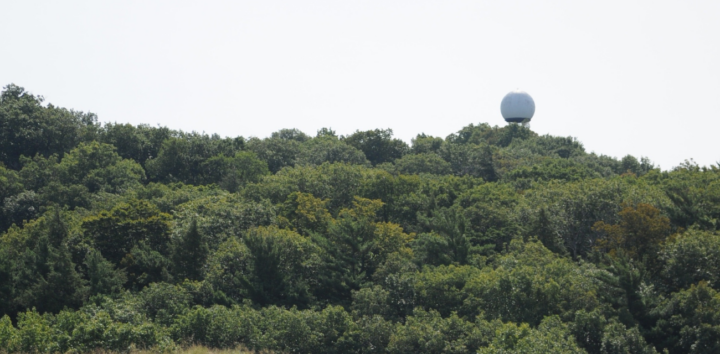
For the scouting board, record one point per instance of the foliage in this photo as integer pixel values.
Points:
(423, 163)
(639, 233)
(331, 150)
(491, 240)
(689, 321)
(377, 145)
(690, 258)
(27, 128)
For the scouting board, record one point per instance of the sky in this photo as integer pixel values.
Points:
(623, 77)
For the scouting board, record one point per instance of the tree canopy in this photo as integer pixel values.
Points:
(490, 240)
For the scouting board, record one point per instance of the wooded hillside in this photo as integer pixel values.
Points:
(490, 240)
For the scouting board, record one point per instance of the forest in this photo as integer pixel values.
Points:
(490, 240)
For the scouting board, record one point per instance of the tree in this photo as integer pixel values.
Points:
(233, 173)
(549, 169)
(102, 275)
(378, 145)
(27, 128)
(190, 253)
(450, 225)
(542, 228)
(427, 332)
(230, 270)
(276, 152)
(695, 196)
(115, 232)
(530, 283)
(135, 235)
(690, 258)
(423, 163)
(10, 183)
(331, 150)
(355, 246)
(471, 159)
(45, 276)
(138, 143)
(551, 336)
(305, 214)
(89, 168)
(12, 208)
(181, 158)
(688, 321)
(285, 265)
(423, 144)
(639, 233)
(290, 134)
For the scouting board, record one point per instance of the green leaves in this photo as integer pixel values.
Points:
(233, 173)
(689, 321)
(692, 257)
(27, 128)
(115, 232)
(377, 145)
(189, 254)
(491, 240)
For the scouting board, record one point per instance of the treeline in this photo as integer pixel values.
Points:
(490, 240)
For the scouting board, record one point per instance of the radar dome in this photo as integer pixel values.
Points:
(517, 107)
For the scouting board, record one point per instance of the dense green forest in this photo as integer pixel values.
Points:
(490, 240)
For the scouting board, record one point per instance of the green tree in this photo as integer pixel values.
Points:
(102, 276)
(138, 143)
(423, 163)
(549, 169)
(45, 276)
(529, 283)
(181, 158)
(233, 173)
(115, 232)
(691, 257)
(305, 214)
(135, 235)
(454, 245)
(277, 152)
(695, 196)
(688, 321)
(189, 254)
(89, 168)
(377, 145)
(490, 215)
(10, 183)
(355, 246)
(285, 265)
(230, 270)
(427, 332)
(423, 144)
(471, 159)
(27, 128)
(331, 150)
(13, 210)
(551, 336)
(290, 134)
(442, 288)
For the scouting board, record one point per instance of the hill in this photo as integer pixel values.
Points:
(492, 239)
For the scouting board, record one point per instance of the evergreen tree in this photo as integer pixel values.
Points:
(190, 253)
(46, 277)
(102, 275)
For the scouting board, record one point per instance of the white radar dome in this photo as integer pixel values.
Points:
(517, 107)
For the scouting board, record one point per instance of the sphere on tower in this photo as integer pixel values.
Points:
(517, 107)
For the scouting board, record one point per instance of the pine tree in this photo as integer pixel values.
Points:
(103, 277)
(190, 253)
(46, 276)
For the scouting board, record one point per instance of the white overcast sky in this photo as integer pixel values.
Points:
(624, 77)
